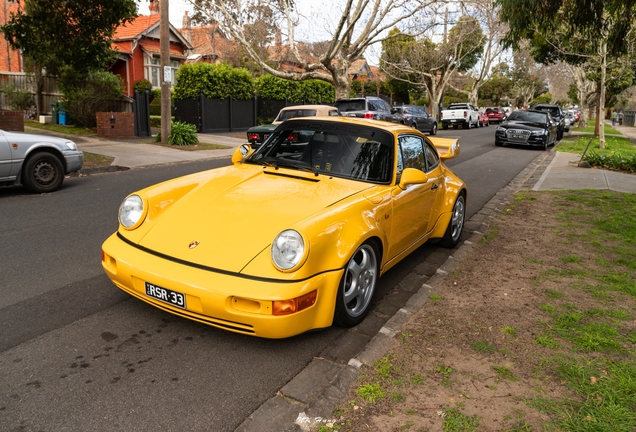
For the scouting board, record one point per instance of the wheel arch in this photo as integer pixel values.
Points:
(36, 150)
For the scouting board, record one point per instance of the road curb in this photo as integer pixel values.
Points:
(310, 398)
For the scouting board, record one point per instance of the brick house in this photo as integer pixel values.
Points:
(10, 59)
(209, 43)
(137, 47)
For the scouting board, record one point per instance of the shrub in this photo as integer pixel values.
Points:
(98, 91)
(142, 85)
(17, 99)
(181, 134)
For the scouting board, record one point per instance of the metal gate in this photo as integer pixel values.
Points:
(141, 108)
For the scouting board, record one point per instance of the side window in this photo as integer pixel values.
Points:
(412, 152)
(386, 106)
(372, 105)
(432, 158)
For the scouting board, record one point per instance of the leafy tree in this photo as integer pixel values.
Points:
(589, 29)
(75, 33)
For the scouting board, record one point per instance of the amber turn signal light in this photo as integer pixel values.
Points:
(286, 307)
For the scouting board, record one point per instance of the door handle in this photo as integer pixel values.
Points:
(435, 186)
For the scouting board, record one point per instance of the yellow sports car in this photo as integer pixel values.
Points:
(293, 236)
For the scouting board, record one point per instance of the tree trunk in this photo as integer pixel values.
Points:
(601, 101)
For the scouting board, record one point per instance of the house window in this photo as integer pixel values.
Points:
(152, 69)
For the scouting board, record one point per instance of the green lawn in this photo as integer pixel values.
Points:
(613, 145)
(590, 128)
(71, 130)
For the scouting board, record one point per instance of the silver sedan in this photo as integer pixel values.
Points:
(39, 162)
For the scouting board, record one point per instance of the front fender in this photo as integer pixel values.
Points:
(332, 238)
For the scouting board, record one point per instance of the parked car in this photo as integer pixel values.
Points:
(527, 127)
(368, 107)
(38, 162)
(257, 134)
(496, 114)
(417, 118)
(459, 114)
(556, 114)
(483, 119)
(335, 211)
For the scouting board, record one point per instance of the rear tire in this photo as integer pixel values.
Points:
(357, 286)
(456, 223)
(42, 173)
(434, 129)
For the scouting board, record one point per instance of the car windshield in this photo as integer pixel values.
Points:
(528, 116)
(350, 105)
(457, 106)
(553, 111)
(291, 113)
(340, 150)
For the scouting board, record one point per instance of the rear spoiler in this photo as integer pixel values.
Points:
(448, 148)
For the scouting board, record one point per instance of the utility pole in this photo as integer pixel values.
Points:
(166, 72)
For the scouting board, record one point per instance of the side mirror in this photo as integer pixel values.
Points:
(412, 176)
(241, 153)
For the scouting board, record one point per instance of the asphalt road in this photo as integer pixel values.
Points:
(76, 352)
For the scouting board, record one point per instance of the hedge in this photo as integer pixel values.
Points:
(215, 81)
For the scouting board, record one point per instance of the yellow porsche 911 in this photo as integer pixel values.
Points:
(293, 236)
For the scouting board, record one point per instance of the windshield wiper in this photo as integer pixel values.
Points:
(296, 166)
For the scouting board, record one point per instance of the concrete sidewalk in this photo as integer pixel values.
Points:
(564, 172)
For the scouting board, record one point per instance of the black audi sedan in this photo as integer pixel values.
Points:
(530, 128)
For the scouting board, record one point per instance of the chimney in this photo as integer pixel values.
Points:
(186, 23)
(154, 7)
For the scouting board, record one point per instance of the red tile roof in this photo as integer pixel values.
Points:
(153, 46)
(136, 27)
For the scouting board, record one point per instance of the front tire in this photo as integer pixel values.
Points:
(357, 286)
(456, 224)
(42, 172)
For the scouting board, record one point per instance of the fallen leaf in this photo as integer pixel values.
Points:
(593, 380)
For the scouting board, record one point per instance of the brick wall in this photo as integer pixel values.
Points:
(12, 121)
(116, 125)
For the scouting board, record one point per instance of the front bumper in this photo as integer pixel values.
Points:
(74, 160)
(225, 301)
(530, 140)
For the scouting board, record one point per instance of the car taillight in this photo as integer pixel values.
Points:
(441, 115)
(368, 115)
(252, 136)
(292, 137)
(465, 114)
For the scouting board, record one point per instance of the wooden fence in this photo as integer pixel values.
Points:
(24, 82)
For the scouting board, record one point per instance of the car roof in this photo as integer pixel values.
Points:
(316, 107)
(395, 128)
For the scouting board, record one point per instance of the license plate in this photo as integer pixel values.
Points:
(518, 136)
(452, 121)
(265, 137)
(165, 295)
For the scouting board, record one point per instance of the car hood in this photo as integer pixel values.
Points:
(20, 137)
(234, 221)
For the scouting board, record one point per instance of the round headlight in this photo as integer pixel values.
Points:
(131, 211)
(288, 249)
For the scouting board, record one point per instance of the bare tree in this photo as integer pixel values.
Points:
(358, 25)
(487, 13)
(429, 65)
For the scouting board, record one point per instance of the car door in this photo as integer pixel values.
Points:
(6, 160)
(412, 206)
